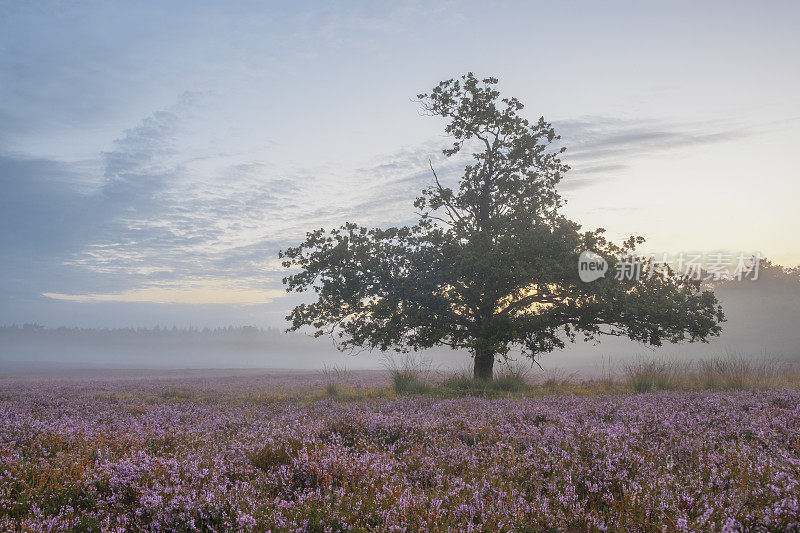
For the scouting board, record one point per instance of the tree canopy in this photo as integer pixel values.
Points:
(491, 265)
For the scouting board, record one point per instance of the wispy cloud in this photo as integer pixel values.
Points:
(599, 147)
(186, 292)
(152, 226)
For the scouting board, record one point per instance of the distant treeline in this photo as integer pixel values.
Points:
(229, 347)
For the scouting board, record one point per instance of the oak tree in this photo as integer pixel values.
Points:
(491, 265)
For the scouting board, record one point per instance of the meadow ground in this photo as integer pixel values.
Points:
(358, 451)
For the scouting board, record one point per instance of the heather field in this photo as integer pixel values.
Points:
(260, 453)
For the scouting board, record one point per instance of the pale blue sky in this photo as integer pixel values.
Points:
(154, 156)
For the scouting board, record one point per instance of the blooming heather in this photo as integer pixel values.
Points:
(224, 455)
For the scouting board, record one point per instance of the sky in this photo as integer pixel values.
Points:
(156, 156)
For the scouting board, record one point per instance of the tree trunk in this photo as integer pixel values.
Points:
(484, 361)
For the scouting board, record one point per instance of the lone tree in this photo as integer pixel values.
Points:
(490, 266)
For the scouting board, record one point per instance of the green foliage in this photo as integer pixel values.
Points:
(274, 454)
(491, 265)
(408, 383)
(510, 382)
(332, 390)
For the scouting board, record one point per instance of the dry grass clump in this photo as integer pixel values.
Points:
(739, 373)
(645, 375)
(728, 372)
(412, 375)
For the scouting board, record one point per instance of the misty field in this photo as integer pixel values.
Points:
(253, 453)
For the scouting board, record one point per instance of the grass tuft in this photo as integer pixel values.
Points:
(646, 375)
(728, 372)
(334, 377)
(409, 374)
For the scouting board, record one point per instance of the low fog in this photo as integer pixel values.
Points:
(762, 321)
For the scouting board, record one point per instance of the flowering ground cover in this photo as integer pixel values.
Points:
(228, 454)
